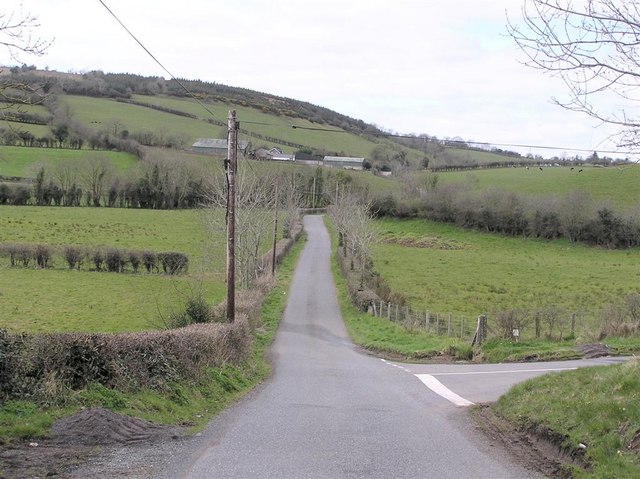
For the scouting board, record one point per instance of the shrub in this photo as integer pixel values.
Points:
(74, 256)
(135, 260)
(174, 263)
(115, 261)
(150, 261)
(43, 255)
(97, 258)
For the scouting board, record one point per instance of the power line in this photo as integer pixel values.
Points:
(173, 77)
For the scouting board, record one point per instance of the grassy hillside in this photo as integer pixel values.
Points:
(452, 270)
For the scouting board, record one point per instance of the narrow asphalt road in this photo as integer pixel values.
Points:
(332, 412)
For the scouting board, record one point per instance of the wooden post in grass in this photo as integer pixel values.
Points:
(426, 320)
(449, 326)
(462, 328)
(573, 324)
(389, 311)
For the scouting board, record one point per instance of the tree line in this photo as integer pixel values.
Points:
(575, 216)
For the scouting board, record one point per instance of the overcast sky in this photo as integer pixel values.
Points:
(441, 67)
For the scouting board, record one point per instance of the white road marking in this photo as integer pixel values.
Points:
(440, 389)
(504, 372)
(395, 365)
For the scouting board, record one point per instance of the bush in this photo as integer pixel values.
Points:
(43, 255)
(74, 256)
(115, 260)
(134, 260)
(97, 258)
(150, 261)
(174, 263)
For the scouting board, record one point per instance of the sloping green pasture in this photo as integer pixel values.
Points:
(58, 299)
(620, 185)
(446, 269)
(25, 161)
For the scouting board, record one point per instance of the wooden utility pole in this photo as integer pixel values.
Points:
(232, 166)
(275, 235)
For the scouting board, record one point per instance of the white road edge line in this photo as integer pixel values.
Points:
(440, 389)
(513, 371)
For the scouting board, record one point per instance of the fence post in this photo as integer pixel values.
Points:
(462, 328)
(396, 313)
(426, 320)
(573, 324)
(481, 331)
(389, 311)
(437, 323)
(449, 326)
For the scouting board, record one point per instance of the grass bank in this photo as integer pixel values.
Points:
(590, 411)
(184, 404)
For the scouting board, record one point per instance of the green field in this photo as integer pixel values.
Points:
(470, 273)
(26, 161)
(620, 185)
(61, 300)
(37, 130)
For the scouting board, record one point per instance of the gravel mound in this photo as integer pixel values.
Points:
(99, 426)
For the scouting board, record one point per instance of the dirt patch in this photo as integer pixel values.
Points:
(635, 443)
(539, 449)
(593, 350)
(430, 242)
(76, 438)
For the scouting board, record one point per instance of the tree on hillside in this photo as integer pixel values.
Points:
(594, 47)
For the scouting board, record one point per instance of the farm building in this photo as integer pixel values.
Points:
(274, 154)
(215, 146)
(344, 162)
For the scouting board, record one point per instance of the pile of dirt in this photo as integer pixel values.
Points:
(76, 438)
(593, 350)
(101, 427)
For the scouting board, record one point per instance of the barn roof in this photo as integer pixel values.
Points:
(218, 144)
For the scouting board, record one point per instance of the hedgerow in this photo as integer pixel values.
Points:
(100, 259)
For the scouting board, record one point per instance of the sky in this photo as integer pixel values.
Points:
(442, 67)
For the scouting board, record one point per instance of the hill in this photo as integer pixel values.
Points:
(101, 110)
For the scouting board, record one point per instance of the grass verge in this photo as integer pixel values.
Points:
(190, 405)
(597, 407)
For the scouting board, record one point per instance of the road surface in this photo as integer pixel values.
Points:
(330, 411)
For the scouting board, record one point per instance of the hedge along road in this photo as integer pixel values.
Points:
(330, 411)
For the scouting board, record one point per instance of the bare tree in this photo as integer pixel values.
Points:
(352, 218)
(592, 46)
(16, 36)
(95, 173)
(255, 207)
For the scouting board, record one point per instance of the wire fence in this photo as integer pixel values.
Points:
(442, 324)
(550, 323)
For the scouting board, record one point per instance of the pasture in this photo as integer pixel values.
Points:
(59, 299)
(619, 185)
(26, 161)
(446, 269)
